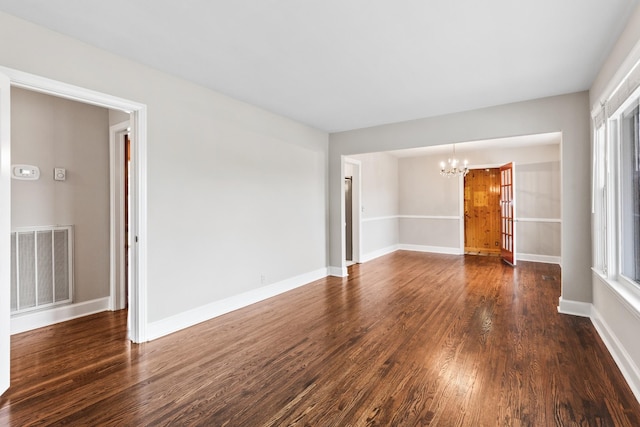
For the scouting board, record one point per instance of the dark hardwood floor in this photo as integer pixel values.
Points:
(408, 339)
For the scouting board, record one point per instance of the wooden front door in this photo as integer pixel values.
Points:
(507, 214)
(482, 211)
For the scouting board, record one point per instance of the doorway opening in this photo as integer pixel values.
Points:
(488, 203)
(120, 161)
(352, 213)
(348, 219)
(137, 210)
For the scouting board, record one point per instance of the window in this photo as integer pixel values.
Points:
(616, 185)
(630, 194)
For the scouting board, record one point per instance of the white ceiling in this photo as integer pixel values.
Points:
(347, 64)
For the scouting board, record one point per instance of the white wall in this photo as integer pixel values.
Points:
(379, 198)
(568, 114)
(235, 194)
(615, 310)
(49, 132)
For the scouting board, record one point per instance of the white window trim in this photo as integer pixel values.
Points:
(626, 290)
(630, 102)
(599, 207)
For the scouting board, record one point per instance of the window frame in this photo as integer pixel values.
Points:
(600, 197)
(611, 211)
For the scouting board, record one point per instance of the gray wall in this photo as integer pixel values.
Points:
(234, 192)
(50, 132)
(538, 200)
(568, 114)
(423, 192)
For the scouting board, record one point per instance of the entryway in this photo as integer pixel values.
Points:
(482, 212)
(489, 212)
(138, 298)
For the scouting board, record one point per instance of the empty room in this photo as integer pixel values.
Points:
(337, 213)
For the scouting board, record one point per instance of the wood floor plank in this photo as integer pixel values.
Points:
(407, 339)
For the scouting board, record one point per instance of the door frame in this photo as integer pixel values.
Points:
(356, 212)
(461, 198)
(5, 230)
(348, 217)
(117, 264)
(138, 184)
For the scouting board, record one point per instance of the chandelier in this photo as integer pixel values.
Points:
(453, 168)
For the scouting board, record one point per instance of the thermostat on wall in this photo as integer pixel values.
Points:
(25, 172)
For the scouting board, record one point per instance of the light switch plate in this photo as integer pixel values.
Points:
(59, 174)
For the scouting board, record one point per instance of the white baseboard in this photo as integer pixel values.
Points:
(450, 251)
(575, 308)
(625, 363)
(206, 312)
(38, 319)
(547, 259)
(431, 249)
(378, 253)
(337, 271)
(416, 248)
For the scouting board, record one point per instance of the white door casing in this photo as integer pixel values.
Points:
(117, 226)
(5, 232)
(356, 188)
